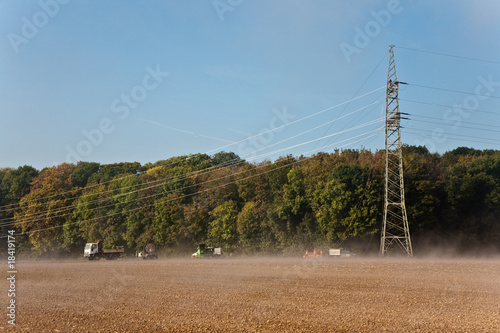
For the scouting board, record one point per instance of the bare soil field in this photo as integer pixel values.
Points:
(257, 295)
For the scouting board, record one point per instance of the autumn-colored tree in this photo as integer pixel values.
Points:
(46, 208)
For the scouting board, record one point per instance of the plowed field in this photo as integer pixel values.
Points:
(257, 295)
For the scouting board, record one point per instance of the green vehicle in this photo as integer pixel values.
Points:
(207, 252)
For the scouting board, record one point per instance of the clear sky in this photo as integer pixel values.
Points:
(115, 81)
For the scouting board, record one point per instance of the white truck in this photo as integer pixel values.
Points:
(95, 251)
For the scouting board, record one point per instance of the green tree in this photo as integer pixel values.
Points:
(225, 159)
(293, 205)
(249, 225)
(108, 172)
(195, 225)
(347, 205)
(473, 190)
(277, 173)
(424, 188)
(222, 230)
(86, 224)
(83, 171)
(168, 220)
(16, 183)
(130, 196)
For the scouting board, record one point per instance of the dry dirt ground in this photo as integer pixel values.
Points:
(257, 295)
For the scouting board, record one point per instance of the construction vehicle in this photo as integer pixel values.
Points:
(148, 252)
(337, 253)
(95, 251)
(207, 252)
(313, 254)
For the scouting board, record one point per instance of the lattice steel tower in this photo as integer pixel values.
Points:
(395, 226)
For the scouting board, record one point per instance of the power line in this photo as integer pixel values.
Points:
(461, 122)
(448, 55)
(418, 130)
(173, 199)
(315, 128)
(11, 220)
(448, 106)
(366, 124)
(217, 149)
(451, 90)
(377, 130)
(186, 176)
(301, 119)
(359, 89)
(372, 122)
(469, 127)
(360, 115)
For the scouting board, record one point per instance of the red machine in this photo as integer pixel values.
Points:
(313, 254)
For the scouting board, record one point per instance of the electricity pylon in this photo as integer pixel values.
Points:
(395, 226)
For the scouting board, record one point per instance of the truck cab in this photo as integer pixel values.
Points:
(91, 251)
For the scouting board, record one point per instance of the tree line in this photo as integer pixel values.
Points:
(285, 206)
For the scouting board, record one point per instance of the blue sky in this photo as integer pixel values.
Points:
(138, 81)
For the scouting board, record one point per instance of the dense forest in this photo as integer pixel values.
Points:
(285, 206)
